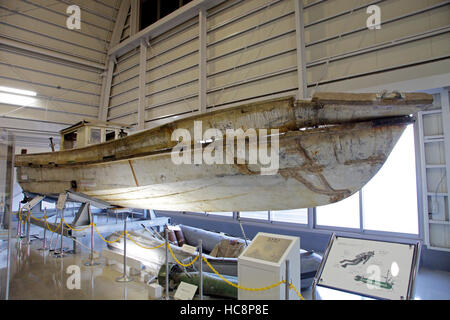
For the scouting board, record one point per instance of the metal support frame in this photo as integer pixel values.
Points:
(301, 62)
(103, 110)
(202, 77)
(120, 23)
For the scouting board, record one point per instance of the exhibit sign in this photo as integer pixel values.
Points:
(376, 269)
(269, 259)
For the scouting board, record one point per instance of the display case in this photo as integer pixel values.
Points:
(263, 263)
(6, 196)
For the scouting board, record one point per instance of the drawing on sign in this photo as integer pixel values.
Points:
(388, 282)
(362, 257)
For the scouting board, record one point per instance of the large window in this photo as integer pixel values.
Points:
(390, 198)
(153, 10)
(343, 214)
(260, 215)
(223, 214)
(293, 216)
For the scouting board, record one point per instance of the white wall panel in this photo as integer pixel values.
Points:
(339, 46)
(252, 52)
(68, 90)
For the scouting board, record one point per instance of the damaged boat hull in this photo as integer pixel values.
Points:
(346, 146)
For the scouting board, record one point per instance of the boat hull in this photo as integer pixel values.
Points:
(326, 149)
(316, 167)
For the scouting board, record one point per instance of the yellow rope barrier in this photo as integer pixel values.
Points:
(175, 258)
(107, 240)
(149, 248)
(71, 228)
(20, 216)
(33, 217)
(291, 286)
(240, 287)
(48, 227)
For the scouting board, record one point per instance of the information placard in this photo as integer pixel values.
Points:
(378, 269)
(185, 291)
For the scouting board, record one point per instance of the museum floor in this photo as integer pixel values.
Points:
(36, 275)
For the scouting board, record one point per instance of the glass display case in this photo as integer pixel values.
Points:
(6, 190)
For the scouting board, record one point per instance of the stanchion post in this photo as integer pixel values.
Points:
(288, 275)
(62, 232)
(19, 216)
(124, 277)
(28, 226)
(91, 261)
(45, 230)
(61, 250)
(201, 268)
(167, 263)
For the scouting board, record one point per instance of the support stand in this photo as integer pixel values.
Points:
(61, 253)
(124, 277)
(91, 261)
(44, 245)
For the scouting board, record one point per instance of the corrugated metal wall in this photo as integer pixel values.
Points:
(67, 91)
(252, 53)
(339, 46)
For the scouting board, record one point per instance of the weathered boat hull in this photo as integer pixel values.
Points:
(317, 166)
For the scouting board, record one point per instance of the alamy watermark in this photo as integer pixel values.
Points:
(374, 20)
(74, 20)
(234, 146)
(74, 280)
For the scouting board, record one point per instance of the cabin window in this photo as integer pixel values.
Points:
(70, 140)
(110, 134)
(96, 136)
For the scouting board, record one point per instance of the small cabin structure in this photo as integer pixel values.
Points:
(89, 132)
